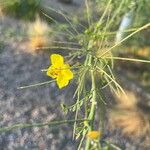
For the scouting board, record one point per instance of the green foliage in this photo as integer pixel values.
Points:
(23, 9)
(142, 14)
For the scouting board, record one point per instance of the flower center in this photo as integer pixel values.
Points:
(56, 72)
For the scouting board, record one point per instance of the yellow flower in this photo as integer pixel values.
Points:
(59, 70)
(93, 135)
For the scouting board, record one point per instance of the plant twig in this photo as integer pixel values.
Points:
(92, 111)
(51, 123)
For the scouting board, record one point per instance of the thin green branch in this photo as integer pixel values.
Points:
(80, 86)
(37, 84)
(60, 47)
(129, 59)
(115, 82)
(114, 32)
(93, 107)
(51, 123)
(88, 12)
(104, 13)
(130, 35)
(63, 15)
(116, 13)
(65, 42)
(56, 22)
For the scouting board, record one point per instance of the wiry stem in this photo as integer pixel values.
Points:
(34, 85)
(51, 123)
(93, 106)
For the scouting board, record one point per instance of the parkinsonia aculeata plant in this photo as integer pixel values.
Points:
(94, 72)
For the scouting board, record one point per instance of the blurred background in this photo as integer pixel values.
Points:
(28, 25)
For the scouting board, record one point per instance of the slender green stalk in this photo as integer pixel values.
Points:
(129, 59)
(37, 84)
(93, 100)
(104, 13)
(116, 13)
(130, 35)
(80, 89)
(114, 32)
(88, 12)
(101, 107)
(65, 42)
(51, 123)
(81, 141)
(56, 22)
(65, 17)
(60, 47)
(93, 107)
(115, 82)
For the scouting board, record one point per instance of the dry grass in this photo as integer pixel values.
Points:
(38, 35)
(128, 116)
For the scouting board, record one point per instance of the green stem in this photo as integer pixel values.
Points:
(34, 85)
(127, 37)
(101, 111)
(93, 106)
(60, 47)
(53, 123)
(129, 59)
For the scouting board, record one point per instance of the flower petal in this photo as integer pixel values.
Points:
(51, 72)
(61, 81)
(93, 134)
(57, 60)
(67, 73)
